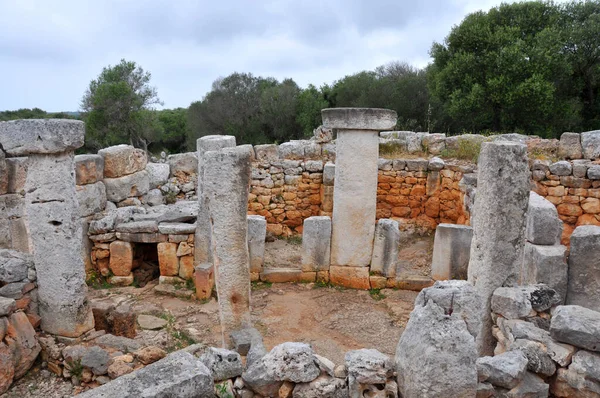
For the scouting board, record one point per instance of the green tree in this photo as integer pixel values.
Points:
(172, 130)
(118, 107)
(311, 101)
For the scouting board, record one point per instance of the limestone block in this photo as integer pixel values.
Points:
(384, 164)
(91, 198)
(14, 265)
(21, 340)
(359, 118)
(266, 152)
(89, 169)
(543, 227)
(511, 303)
(281, 275)
(561, 168)
(41, 136)
(313, 166)
(202, 240)
(291, 150)
(569, 146)
(167, 259)
(140, 237)
(154, 197)
(17, 174)
(584, 267)
(593, 172)
(3, 174)
(7, 306)
(546, 264)
(316, 243)
(329, 174)
(504, 370)
(181, 211)
(368, 366)
(385, 248)
(134, 227)
(499, 225)
(122, 160)
(576, 325)
(469, 140)
(121, 258)
(257, 233)
(55, 230)
(179, 374)
(204, 280)
(227, 180)
(176, 228)
(451, 251)
(433, 364)
(322, 134)
(435, 164)
(223, 363)
(590, 143)
(158, 174)
(186, 267)
(352, 277)
(121, 188)
(183, 162)
(417, 164)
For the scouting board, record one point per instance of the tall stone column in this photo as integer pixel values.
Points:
(226, 186)
(355, 193)
(498, 226)
(53, 219)
(202, 243)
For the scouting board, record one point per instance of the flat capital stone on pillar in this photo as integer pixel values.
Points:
(202, 245)
(355, 193)
(226, 186)
(503, 184)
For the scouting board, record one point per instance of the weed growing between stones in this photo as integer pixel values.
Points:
(97, 281)
(376, 294)
(177, 339)
(258, 285)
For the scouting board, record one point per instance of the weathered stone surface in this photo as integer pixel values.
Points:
(569, 146)
(167, 259)
(543, 227)
(590, 143)
(504, 370)
(257, 233)
(134, 227)
(181, 211)
(121, 188)
(121, 258)
(41, 136)
(222, 363)
(547, 265)
(436, 355)
(7, 368)
(316, 243)
(139, 237)
(576, 325)
(158, 174)
(17, 174)
(154, 197)
(569, 383)
(584, 267)
(122, 160)
(150, 322)
(91, 198)
(21, 340)
(121, 280)
(417, 164)
(265, 152)
(226, 185)
(352, 277)
(186, 266)
(55, 230)
(329, 174)
(385, 247)
(89, 169)
(7, 306)
(14, 265)
(434, 143)
(561, 168)
(511, 303)
(183, 162)
(204, 280)
(243, 339)
(498, 236)
(451, 251)
(150, 354)
(176, 228)
(531, 386)
(202, 241)
(119, 343)
(178, 375)
(323, 386)
(3, 174)
(368, 366)
(538, 360)
(593, 172)
(293, 362)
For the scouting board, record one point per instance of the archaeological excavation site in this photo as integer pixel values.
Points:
(362, 262)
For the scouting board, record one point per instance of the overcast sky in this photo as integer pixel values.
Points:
(50, 50)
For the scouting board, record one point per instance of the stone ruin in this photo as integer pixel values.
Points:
(511, 309)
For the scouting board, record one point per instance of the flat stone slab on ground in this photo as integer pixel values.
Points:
(150, 322)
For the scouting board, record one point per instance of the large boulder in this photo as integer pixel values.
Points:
(576, 325)
(158, 174)
(570, 146)
(590, 142)
(183, 162)
(131, 185)
(122, 160)
(504, 370)
(543, 227)
(37, 136)
(88, 169)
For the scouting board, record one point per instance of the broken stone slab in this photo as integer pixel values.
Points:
(158, 174)
(223, 363)
(511, 303)
(547, 265)
(41, 136)
(3, 174)
(538, 360)
(385, 247)
(569, 146)
(121, 188)
(436, 355)
(576, 325)
(590, 143)
(543, 227)
(14, 265)
(316, 243)
(21, 340)
(531, 386)
(369, 366)
(584, 267)
(91, 198)
(503, 182)
(183, 162)
(293, 362)
(89, 169)
(180, 374)
(122, 160)
(181, 211)
(120, 343)
(505, 370)
(13, 290)
(150, 322)
(451, 251)
(257, 233)
(174, 228)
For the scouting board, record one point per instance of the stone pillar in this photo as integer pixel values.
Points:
(202, 245)
(584, 268)
(355, 194)
(385, 248)
(498, 226)
(451, 251)
(257, 233)
(53, 217)
(226, 185)
(316, 243)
